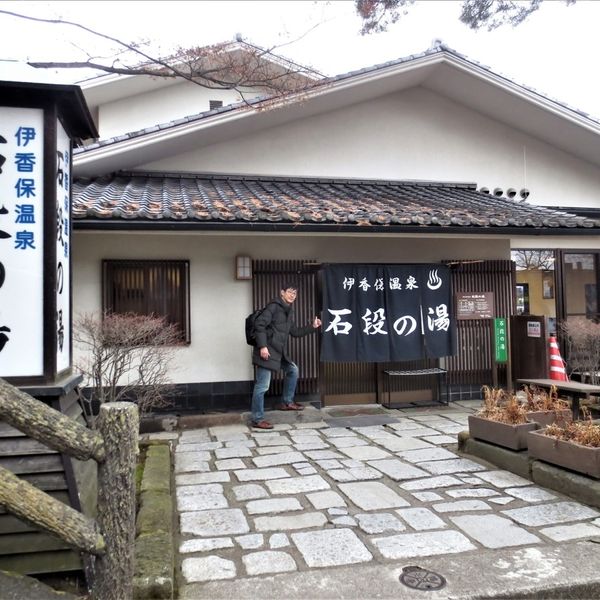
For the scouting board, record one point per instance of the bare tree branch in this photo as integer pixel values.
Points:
(133, 47)
(238, 66)
(378, 15)
(534, 260)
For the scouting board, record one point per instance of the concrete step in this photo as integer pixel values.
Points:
(156, 423)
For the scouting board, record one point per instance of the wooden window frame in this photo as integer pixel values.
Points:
(159, 270)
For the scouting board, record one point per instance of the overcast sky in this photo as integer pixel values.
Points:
(554, 52)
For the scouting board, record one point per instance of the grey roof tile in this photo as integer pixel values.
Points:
(248, 200)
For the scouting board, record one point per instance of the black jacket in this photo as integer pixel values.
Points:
(273, 328)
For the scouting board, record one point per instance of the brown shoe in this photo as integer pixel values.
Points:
(292, 406)
(262, 425)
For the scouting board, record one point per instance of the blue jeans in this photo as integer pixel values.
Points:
(262, 383)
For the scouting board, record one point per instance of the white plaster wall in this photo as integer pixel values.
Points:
(160, 106)
(219, 304)
(586, 242)
(415, 134)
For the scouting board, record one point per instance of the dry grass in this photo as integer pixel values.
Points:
(586, 432)
(500, 406)
(504, 407)
(539, 399)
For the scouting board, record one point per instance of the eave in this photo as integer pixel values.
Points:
(424, 230)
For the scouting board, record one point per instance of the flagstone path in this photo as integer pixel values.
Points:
(309, 496)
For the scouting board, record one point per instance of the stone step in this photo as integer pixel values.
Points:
(15, 586)
(170, 423)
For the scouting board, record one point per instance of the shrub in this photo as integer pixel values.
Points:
(126, 357)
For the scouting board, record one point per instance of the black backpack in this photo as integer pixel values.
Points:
(250, 331)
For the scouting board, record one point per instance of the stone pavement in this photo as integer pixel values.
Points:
(302, 502)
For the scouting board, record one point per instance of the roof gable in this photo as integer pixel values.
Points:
(440, 69)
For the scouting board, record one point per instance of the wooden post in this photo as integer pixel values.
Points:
(493, 354)
(118, 424)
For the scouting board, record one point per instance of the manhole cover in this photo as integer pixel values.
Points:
(421, 579)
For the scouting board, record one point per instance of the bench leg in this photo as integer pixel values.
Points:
(447, 386)
(389, 391)
(575, 407)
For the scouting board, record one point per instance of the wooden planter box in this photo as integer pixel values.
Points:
(501, 434)
(570, 455)
(547, 417)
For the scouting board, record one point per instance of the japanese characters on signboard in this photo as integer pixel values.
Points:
(21, 242)
(500, 340)
(475, 305)
(63, 249)
(387, 313)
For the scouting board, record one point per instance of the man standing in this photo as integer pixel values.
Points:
(273, 328)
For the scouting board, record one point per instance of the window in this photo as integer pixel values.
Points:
(148, 287)
(522, 298)
(535, 282)
(212, 104)
(580, 272)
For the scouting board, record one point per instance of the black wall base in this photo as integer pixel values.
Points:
(217, 396)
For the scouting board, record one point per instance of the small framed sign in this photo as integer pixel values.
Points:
(548, 285)
(534, 329)
(475, 305)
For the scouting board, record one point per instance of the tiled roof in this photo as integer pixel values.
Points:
(247, 202)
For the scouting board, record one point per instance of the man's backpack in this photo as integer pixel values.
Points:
(250, 330)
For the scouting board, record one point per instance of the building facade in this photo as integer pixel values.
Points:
(431, 159)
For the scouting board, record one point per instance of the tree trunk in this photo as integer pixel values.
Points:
(31, 504)
(118, 424)
(47, 425)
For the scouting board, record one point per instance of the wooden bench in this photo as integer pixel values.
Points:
(440, 373)
(572, 389)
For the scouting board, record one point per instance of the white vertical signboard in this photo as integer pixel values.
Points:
(21, 242)
(63, 249)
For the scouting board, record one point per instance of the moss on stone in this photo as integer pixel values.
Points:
(157, 470)
(580, 487)
(155, 513)
(139, 473)
(517, 462)
(463, 437)
(154, 562)
(154, 550)
(145, 443)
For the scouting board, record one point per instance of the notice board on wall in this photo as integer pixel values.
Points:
(475, 305)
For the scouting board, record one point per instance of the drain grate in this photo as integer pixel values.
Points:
(421, 579)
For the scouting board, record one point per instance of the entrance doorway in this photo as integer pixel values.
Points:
(352, 383)
(562, 286)
(535, 288)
